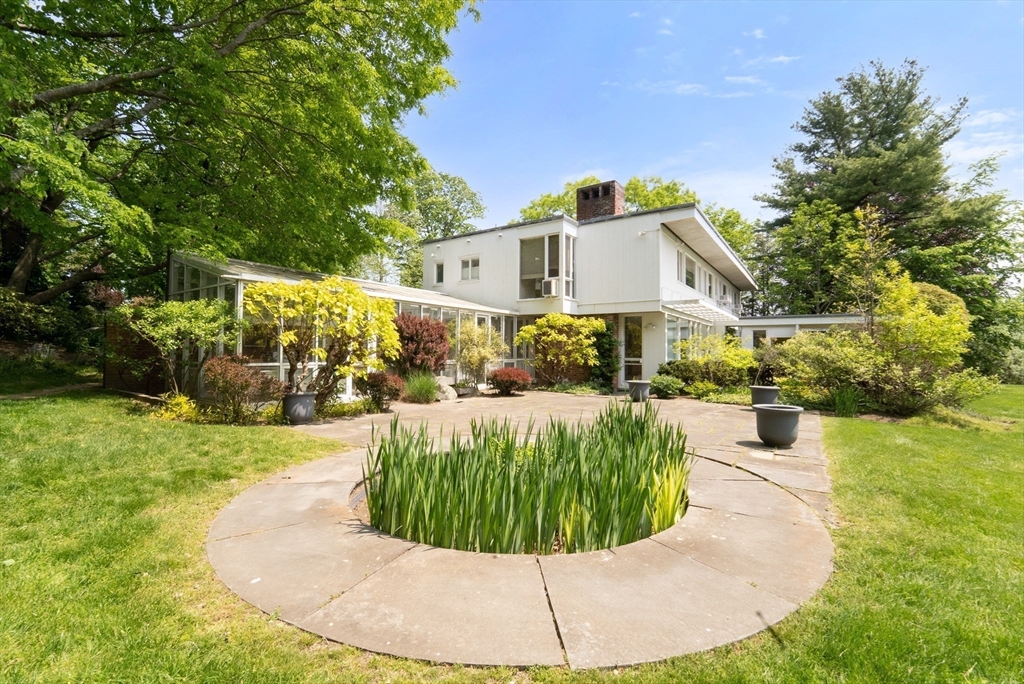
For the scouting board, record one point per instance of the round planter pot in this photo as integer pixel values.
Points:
(777, 424)
(764, 394)
(639, 390)
(298, 407)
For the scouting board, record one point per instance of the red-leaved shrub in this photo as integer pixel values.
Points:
(238, 389)
(509, 380)
(380, 388)
(424, 344)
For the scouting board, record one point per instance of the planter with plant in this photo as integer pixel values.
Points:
(762, 387)
(331, 321)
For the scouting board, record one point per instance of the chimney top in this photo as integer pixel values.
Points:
(602, 199)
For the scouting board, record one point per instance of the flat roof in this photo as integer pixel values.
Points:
(790, 317)
(251, 270)
(519, 224)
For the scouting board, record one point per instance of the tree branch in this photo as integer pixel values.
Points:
(98, 86)
(94, 272)
(239, 39)
(64, 250)
(113, 122)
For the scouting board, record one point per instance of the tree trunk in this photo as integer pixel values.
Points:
(25, 264)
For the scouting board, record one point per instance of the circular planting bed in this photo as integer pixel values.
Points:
(570, 488)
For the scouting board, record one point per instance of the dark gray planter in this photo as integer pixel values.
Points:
(764, 394)
(466, 391)
(639, 390)
(777, 424)
(298, 407)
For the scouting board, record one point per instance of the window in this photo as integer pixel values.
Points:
(471, 269)
(759, 338)
(570, 266)
(541, 258)
(708, 284)
(439, 273)
(690, 273)
(633, 349)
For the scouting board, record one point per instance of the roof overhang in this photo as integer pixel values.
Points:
(689, 224)
(701, 308)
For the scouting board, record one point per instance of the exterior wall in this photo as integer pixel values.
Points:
(618, 266)
(784, 327)
(674, 289)
(498, 251)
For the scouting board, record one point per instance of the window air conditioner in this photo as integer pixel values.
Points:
(549, 287)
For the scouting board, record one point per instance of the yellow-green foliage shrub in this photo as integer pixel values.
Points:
(562, 344)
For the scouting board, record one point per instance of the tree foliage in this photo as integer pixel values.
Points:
(562, 343)
(332, 321)
(649, 192)
(185, 334)
(262, 129)
(478, 347)
(876, 145)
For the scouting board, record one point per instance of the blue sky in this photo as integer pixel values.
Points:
(702, 92)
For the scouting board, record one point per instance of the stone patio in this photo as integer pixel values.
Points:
(752, 547)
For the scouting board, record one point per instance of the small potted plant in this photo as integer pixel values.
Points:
(764, 390)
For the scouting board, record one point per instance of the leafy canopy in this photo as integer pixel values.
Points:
(649, 192)
(177, 329)
(478, 346)
(262, 129)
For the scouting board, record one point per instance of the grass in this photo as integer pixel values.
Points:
(104, 513)
(27, 373)
(574, 488)
(420, 388)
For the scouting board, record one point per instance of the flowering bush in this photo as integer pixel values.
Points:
(238, 389)
(424, 344)
(509, 380)
(380, 388)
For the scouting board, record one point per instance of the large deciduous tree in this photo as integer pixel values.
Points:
(263, 129)
(878, 140)
(649, 192)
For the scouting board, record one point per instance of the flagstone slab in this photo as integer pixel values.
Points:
(346, 467)
(267, 506)
(789, 559)
(293, 571)
(751, 497)
(706, 469)
(448, 606)
(645, 602)
(803, 475)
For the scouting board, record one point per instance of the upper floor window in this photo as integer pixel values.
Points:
(439, 273)
(687, 270)
(471, 268)
(542, 258)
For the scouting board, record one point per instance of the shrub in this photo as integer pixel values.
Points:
(424, 344)
(380, 388)
(582, 389)
(346, 409)
(577, 487)
(718, 359)
(421, 388)
(606, 344)
(238, 389)
(179, 407)
(701, 389)
(562, 344)
(665, 386)
(478, 347)
(956, 390)
(509, 380)
(847, 401)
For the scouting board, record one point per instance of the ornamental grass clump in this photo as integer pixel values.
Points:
(574, 488)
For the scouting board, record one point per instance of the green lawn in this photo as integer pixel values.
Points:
(24, 374)
(103, 577)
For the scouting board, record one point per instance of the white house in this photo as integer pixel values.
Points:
(755, 331)
(657, 276)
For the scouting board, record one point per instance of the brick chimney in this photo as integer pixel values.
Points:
(603, 199)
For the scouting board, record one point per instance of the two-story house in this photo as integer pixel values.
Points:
(656, 276)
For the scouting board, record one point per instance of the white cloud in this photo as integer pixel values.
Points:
(751, 80)
(729, 96)
(666, 21)
(669, 87)
(600, 172)
(762, 60)
(756, 33)
(989, 117)
(782, 59)
(665, 32)
(635, 15)
(610, 83)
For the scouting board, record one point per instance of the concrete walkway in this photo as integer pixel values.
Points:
(752, 547)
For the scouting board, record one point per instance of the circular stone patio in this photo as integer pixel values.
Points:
(752, 547)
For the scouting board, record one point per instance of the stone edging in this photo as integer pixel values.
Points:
(747, 554)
